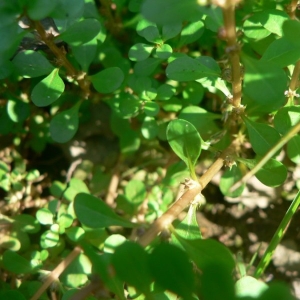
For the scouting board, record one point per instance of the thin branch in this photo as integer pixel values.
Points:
(292, 9)
(294, 84)
(294, 130)
(62, 59)
(232, 50)
(57, 272)
(172, 213)
(112, 188)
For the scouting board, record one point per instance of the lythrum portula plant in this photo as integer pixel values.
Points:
(114, 118)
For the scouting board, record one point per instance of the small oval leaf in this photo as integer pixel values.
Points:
(48, 90)
(185, 141)
(64, 125)
(108, 80)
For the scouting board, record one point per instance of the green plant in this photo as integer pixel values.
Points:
(121, 86)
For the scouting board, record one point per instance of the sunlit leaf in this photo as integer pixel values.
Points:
(94, 213)
(187, 68)
(48, 90)
(185, 141)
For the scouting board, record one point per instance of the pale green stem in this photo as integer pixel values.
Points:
(265, 260)
(294, 130)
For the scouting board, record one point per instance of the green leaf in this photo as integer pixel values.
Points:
(172, 105)
(249, 287)
(30, 64)
(187, 68)
(129, 142)
(193, 93)
(170, 31)
(15, 263)
(206, 252)
(149, 31)
(286, 118)
(12, 294)
(151, 109)
(75, 234)
(40, 9)
(57, 188)
(170, 11)
(147, 66)
(293, 149)
(135, 192)
(273, 19)
(76, 273)
(48, 90)
(85, 54)
(129, 106)
(191, 33)
(216, 277)
(172, 270)
(149, 128)
(164, 51)
(112, 242)
(282, 52)
(203, 120)
(17, 110)
(64, 221)
(69, 9)
(277, 291)
(81, 32)
(44, 216)
(165, 92)
(291, 31)
(140, 51)
(94, 213)
(75, 187)
(188, 228)
(108, 80)
(262, 136)
(273, 173)
(49, 239)
(131, 256)
(264, 84)
(102, 266)
(253, 28)
(214, 18)
(64, 125)
(26, 223)
(185, 141)
(229, 177)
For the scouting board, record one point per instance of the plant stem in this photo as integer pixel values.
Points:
(62, 59)
(57, 272)
(294, 84)
(233, 51)
(265, 260)
(292, 9)
(172, 213)
(294, 130)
